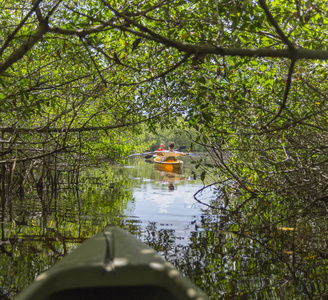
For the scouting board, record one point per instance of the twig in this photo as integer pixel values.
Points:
(276, 26)
(93, 61)
(200, 190)
(283, 104)
(11, 35)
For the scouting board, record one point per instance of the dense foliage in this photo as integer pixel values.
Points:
(247, 80)
(78, 79)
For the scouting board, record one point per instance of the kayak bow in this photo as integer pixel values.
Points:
(112, 265)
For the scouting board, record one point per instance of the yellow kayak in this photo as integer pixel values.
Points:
(167, 160)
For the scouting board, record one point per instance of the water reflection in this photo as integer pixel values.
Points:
(155, 202)
(171, 178)
(272, 248)
(169, 168)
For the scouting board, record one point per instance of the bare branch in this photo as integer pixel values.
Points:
(24, 48)
(79, 129)
(161, 75)
(309, 85)
(32, 157)
(12, 35)
(94, 63)
(276, 26)
(78, 32)
(284, 101)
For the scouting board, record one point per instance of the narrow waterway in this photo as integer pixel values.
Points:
(164, 200)
(258, 252)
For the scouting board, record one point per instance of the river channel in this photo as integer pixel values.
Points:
(216, 251)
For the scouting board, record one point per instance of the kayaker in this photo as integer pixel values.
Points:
(171, 149)
(162, 148)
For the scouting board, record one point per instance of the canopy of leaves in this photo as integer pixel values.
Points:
(249, 76)
(247, 79)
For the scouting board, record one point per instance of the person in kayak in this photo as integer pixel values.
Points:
(171, 146)
(162, 148)
(171, 149)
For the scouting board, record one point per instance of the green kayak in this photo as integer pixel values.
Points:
(112, 265)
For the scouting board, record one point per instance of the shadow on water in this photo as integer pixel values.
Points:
(271, 248)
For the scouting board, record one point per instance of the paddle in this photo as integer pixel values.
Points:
(192, 154)
(139, 154)
(178, 149)
(135, 154)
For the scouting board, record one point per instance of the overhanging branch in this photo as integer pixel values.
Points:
(273, 22)
(284, 101)
(24, 48)
(20, 25)
(45, 129)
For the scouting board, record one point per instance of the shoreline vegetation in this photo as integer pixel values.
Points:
(243, 81)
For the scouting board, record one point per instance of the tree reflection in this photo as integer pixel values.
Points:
(270, 247)
(40, 229)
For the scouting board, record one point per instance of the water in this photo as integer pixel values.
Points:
(155, 203)
(230, 255)
(255, 253)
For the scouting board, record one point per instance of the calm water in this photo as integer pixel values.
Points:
(254, 253)
(155, 203)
